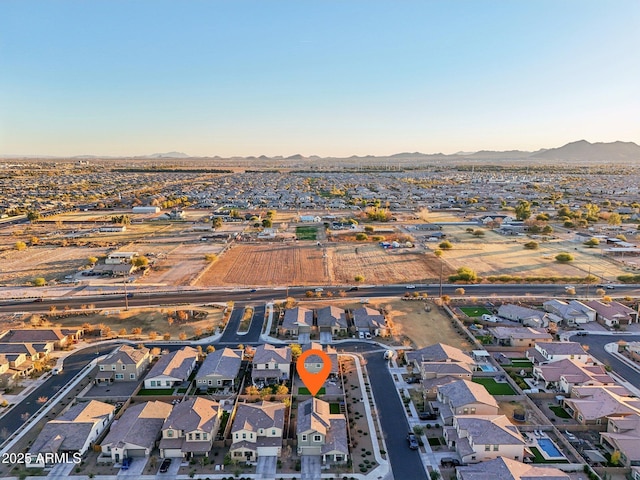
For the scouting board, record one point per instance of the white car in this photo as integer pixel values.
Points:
(319, 289)
(410, 287)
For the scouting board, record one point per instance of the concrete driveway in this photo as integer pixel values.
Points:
(266, 467)
(136, 468)
(310, 467)
(304, 338)
(326, 338)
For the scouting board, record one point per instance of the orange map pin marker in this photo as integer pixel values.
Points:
(314, 380)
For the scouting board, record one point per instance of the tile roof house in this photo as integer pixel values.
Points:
(36, 335)
(519, 336)
(126, 364)
(463, 397)
(623, 435)
(438, 352)
(257, 430)
(313, 363)
(75, 430)
(172, 368)
(526, 316)
(369, 320)
(321, 432)
(271, 364)
(136, 432)
(593, 405)
(574, 312)
(613, 313)
(549, 352)
(297, 320)
(565, 374)
(190, 428)
(502, 468)
(479, 438)
(219, 369)
(332, 319)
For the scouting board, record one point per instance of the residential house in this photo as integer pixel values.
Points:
(219, 369)
(549, 352)
(435, 374)
(172, 368)
(634, 350)
(370, 321)
(613, 313)
(136, 432)
(271, 364)
(36, 335)
(565, 374)
(573, 313)
(478, 438)
(332, 319)
(592, 405)
(321, 432)
(296, 321)
(520, 337)
(74, 431)
(623, 435)
(438, 352)
(257, 431)
(313, 363)
(21, 358)
(502, 468)
(127, 364)
(463, 397)
(526, 316)
(190, 428)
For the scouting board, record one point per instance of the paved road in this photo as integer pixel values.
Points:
(231, 335)
(72, 365)
(405, 463)
(596, 348)
(266, 295)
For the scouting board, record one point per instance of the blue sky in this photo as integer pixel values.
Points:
(315, 77)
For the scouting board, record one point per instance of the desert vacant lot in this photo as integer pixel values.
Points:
(495, 254)
(179, 265)
(20, 267)
(379, 266)
(273, 264)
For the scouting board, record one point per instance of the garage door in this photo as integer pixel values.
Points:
(136, 452)
(268, 451)
(172, 453)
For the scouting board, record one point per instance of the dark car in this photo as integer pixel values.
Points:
(427, 416)
(164, 467)
(38, 299)
(450, 462)
(413, 441)
(354, 289)
(126, 461)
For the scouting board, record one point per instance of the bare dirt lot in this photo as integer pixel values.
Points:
(495, 254)
(379, 266)
(273, 264)
(179, 265)
(411, 320)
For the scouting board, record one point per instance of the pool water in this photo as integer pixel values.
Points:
(549, 448)
(488, 368)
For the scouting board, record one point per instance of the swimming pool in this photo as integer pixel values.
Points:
(488, 368)
(549, 448)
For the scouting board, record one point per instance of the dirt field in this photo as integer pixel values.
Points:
(273, 264)
(380, 266)
(411, 320)
(180, 265)
(20, 267)
(496, 254)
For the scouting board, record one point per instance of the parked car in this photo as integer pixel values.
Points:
(427, 416)
(126, 461)
(413, 441)
(410, 287)
(164, 467)
(450, 462)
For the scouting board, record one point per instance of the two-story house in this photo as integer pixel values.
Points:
(136, 432)
(463, 397)
(219, 369)
(479, 438)
(565, 374)
(127, 364)
(270, 364)
(172, 368)
(503, 468)
(623, 435)
(190, 428)
(321, 432)
(313, 363)
(257, 431)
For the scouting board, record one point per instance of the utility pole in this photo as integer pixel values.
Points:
(441, 266)
(126, 297)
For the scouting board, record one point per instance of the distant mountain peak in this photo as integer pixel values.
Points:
(170, 155)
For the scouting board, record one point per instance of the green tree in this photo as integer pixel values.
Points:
(362, 237)
(564, 257)
(445, 245)
(33, 216)
(267, 223)
(20, 246)
(140, 261)
(523, 210)
(39, 282)
(464, 274)
(437, 253)
(615, 457)
(547, 229)
(92, 260)
(217, 222)
(592, 242)
(296, 350)
(532, 245)
(614, 219)
(359, 278)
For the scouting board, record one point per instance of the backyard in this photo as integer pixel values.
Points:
(495, 388)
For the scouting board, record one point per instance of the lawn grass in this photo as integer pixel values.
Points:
(521, 363)
(334, 408)
(495, 388)
(540, 459)
(307, 233)
(155, 391)
(305, 391)
(434, 441)
(559, 411)
(474, 312)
